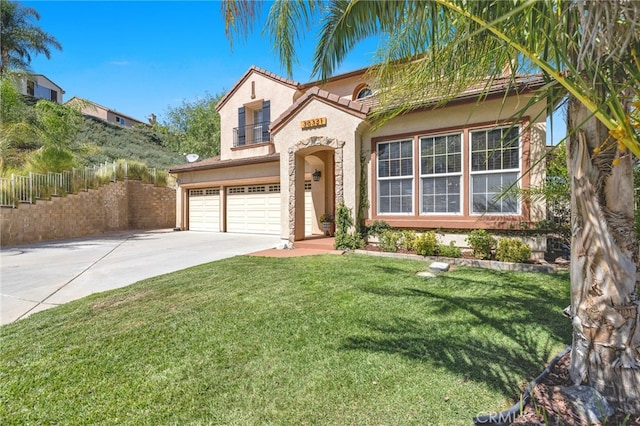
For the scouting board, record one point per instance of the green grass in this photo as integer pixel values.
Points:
(326, 340)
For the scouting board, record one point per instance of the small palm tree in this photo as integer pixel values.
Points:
(20, 38)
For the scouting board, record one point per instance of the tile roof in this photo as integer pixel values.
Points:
(217, 163)
(499, 85)
(353, 107)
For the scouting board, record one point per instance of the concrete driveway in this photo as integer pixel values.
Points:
(36, 277)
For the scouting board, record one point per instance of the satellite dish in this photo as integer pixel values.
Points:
(192, 157)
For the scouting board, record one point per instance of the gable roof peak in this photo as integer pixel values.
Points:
(255, 69)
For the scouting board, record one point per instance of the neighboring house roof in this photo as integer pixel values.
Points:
(46, 78)
(118, 113)
(352, 107)
(216, 163)
(265, 73)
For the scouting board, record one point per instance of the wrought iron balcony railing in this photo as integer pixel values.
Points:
(251, 134)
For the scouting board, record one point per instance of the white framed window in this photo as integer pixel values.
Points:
(495, 167)
(441, 174)
(395, 177)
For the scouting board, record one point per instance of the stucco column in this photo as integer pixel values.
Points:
(299, 198)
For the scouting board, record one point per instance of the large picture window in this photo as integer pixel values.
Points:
(441, 173)
(395, 177)
(495, 167)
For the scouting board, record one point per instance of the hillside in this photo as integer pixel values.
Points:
(99, 141)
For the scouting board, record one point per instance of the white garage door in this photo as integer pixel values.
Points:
(254, 209)
(204, 209)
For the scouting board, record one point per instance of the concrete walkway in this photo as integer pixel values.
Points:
(308, 247)
(36, 277)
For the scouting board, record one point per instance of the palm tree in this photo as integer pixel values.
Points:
(586, 50)
(20, 37)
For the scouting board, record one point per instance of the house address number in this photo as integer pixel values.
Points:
(314, 122)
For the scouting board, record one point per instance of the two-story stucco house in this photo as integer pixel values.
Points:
(40, 87)
(291, 152)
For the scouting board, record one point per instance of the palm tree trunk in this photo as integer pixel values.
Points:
(604, 264)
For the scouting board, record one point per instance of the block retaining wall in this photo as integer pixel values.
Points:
(114, 207)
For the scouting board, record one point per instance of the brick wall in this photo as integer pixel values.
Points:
(113, 207)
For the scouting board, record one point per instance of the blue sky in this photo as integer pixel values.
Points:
(141, 57)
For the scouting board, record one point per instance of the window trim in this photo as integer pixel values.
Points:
(517, 171)
(391, 178)
(460, 174)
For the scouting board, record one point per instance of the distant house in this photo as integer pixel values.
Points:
(40, 87)
(292, 152)
(103, 113)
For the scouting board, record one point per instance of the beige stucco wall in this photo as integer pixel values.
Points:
(116, 206)
(279, 95)
(239, 175)
(459, 115)
(538, 171)
(341, 126)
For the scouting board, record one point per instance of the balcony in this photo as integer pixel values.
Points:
(251, 134)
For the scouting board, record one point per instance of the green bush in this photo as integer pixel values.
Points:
(426, 244)
(390, 240)
(481, 243)
(512, 250)
(378, 227)
(449, 250)
(346, 240)
(407, 239)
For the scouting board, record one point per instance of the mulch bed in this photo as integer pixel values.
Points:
(548, 408)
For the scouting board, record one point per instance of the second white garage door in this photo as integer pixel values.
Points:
(256, 209)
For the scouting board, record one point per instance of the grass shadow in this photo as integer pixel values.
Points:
(490, 327)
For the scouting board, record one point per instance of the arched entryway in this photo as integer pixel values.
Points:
(308, 156)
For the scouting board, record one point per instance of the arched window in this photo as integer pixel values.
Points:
(362, 91)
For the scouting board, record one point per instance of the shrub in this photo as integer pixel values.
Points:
(344, 239)
(512, 250)
(378, 227)
(426, 244)
(449, 250)
(390, 240)
(407, 239)
(481, 243)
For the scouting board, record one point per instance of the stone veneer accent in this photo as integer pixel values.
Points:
(338, 160)
(114, 207)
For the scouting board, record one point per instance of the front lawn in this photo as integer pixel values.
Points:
(326, 340)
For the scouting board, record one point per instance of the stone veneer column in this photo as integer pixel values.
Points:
(313, 141)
